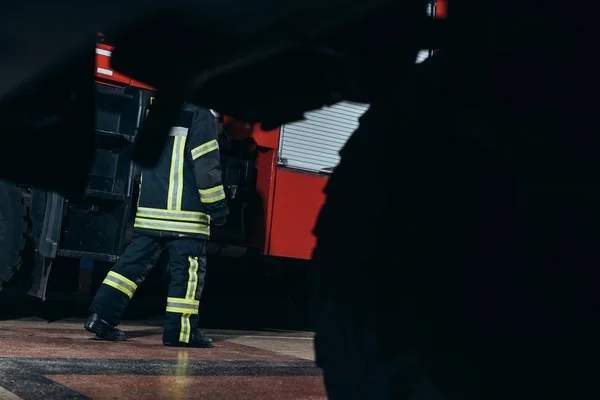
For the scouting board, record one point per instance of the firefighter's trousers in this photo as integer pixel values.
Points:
(187, 258)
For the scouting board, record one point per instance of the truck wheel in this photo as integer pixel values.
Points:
(460, 251)
(344, 297)
(364, 331)
(12, 229)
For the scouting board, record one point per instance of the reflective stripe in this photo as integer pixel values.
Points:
(176, 174)
(151, 102)
(190, 293)
(120, 283)
(182, 310)
(184, 227)
(184, 302)
(178, 130)
(190, 298)
(186, 328)
(182, 306)
(187, 216)
(103, 52)
(104, 71)
(212, 195)
(205, 148)
(180, 162)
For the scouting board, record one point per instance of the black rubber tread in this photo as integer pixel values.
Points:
(13, 228)
(456, 252)
(347, 258)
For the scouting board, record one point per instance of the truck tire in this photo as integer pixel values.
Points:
(355, 310)
(12, 229)
(455, 254)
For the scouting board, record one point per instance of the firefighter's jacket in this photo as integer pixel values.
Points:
(180, 195)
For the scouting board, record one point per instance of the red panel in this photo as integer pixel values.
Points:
(141, 85)
(441, 9)
(441, 12)
(106, 75)
(103, 69)
(298, 200)
(265, 188)
(239, 129)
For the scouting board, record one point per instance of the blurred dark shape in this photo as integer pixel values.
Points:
(243, 63)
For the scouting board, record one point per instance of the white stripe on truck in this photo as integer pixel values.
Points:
(104, 71)
(103, 52)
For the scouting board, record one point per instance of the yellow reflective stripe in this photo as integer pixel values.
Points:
(148, 109)
(182, 305)
(120, 283)
(184, 302)
(182, 310)
(171, 199)
(184, 227)
(188, 216)
(181, 152)
(212, 195)
(192, 285)
(176, 174)
(184, 333)
(205, 148)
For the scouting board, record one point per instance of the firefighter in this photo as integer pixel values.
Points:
(179, 199)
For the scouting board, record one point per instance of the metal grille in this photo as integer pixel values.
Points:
(314, 143)
(422, 55)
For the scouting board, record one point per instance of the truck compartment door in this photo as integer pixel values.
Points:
(95, 225)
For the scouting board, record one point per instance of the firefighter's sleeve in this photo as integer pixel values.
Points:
(204, 149)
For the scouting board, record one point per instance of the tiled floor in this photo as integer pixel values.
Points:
(60, 360)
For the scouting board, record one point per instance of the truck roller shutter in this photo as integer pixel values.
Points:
(314, 143)
(422, 55)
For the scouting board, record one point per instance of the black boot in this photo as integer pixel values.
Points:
(197, 340)
(103, 329)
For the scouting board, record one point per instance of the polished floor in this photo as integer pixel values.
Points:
(59, 360)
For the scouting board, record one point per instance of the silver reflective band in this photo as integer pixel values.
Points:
(216, 193)
(190, 293)
(184, 335)
(190, 307)
(205, 148)
(178, 131)
(120, 282)
(189, 216)
(176, 184)
(171, 226)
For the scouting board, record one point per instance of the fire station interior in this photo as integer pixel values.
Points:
(432, 239)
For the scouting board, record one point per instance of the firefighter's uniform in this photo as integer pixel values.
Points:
(178, 199)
